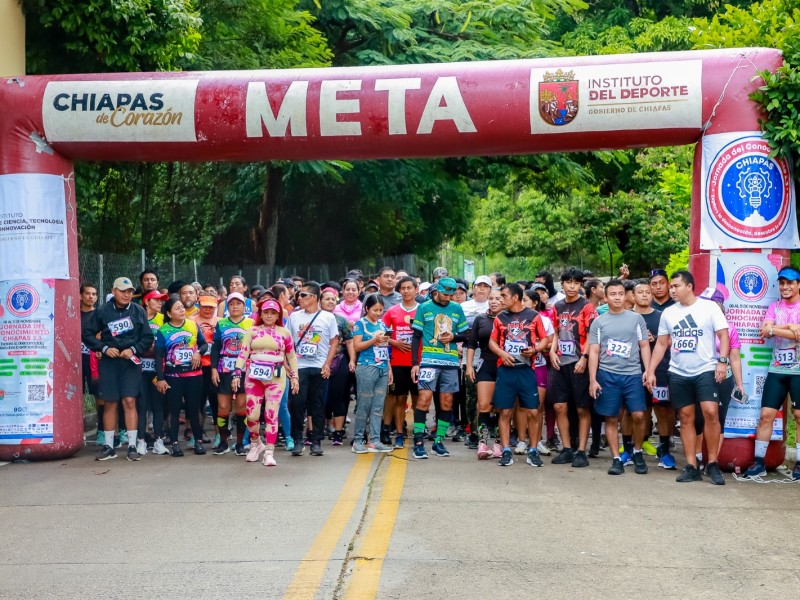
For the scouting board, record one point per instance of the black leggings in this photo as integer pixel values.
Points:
(150, 399)
(339, 391)
(191, 390)
(210, 392)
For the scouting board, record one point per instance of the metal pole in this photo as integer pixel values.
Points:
(173, 268)
(101, 291)
(194, 261)
(144, 259)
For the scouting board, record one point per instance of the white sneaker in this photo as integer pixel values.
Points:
(255, 451)
(543, 449)
(521, 448)
(141, 447)
(159, 447)
(269, 459)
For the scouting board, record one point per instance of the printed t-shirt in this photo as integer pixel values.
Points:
(375, 356)
(572, 321)
(432, 319)
(178, 345)
(785, 353)
(399, 319)
(692, 330)
(312, 351)
(228, 337)
(514, 332)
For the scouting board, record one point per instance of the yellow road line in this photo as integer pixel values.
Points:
(309, 574)
(375, 542)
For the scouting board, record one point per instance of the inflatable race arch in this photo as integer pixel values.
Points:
(742, 222)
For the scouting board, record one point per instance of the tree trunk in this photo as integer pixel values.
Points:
(265, 233)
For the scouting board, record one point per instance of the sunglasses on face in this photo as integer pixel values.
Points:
(305, 294)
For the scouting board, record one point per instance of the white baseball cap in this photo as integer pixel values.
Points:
(484, 279)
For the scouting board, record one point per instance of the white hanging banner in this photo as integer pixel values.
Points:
(747, 198)
(749, 283)
(33, 227)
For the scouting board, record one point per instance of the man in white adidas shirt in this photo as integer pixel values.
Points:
(691, 328)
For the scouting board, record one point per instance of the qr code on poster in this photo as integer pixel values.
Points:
(759, 391)
(36, 393)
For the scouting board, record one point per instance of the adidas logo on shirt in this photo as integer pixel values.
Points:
(687, 327)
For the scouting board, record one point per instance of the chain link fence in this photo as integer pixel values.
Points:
(101, 269)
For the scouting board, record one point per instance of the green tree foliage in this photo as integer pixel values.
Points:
(89, 36)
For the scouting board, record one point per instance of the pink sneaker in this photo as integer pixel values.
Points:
(269, 459)
(497, 450)
(483, 451)
(255, 451)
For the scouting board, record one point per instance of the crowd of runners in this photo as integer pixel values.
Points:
(507, 368)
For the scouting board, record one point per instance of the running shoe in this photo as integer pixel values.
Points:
(358, 447)
(141, 446)
(298, 450)
(205, 439)
(796, 471)
(101, 438)
(542, 448)
(667, 461)
(552, 444)
(133, 455)
(439, 449)
(639, 466)
(239, 449)
(534, 459)
(221, 448)
(460, 435)
(316, 448)
(307, 442)
(616, 468)
(419, 452)
(688, 474)
(757, 469)
(451, 431)
(483, 451)
(199, 449)
(336, 438)
(594, 451)
(603, 442)
(176, 450)
(159, 447)
(217, 439)
(400, 442)
(379, 447)
(269, 459)
(648, 448)
(473, 441)
(626, 458)
(506, 459)
(190, 442)
(106, 453)
(289, 444)
(123, 437)
(386, 436)
(255, 451)
(521, 448)
(580, 460)
(513, 439)
(565, 457)
(715, 474)
(497, 450)
(118, 442)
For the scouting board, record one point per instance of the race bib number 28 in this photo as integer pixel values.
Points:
(427, 375)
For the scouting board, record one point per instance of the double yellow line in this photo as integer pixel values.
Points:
(367, 571)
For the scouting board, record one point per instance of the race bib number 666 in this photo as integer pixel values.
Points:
(686, 343)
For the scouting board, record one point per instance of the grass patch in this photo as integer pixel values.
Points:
(89, 405)
(791, 431)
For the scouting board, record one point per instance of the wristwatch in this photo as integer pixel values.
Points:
(724, 360)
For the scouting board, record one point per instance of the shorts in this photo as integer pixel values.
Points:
(225, 381)
(777, 386)
(660, 394)
(487, 372)
(618, 391)
(686, 391)
(119, 378)
(567, 386)
(444, 381)
(403, 385)
(513, 383)
(541, 376)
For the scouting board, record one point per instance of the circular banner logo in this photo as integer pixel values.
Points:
(748, 192)
(751, 283)
(22, 300)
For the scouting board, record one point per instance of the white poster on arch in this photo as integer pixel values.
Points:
(33, 227)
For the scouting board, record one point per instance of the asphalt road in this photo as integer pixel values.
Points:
(383, 526)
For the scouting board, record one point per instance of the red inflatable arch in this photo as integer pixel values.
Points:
(484, 108)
